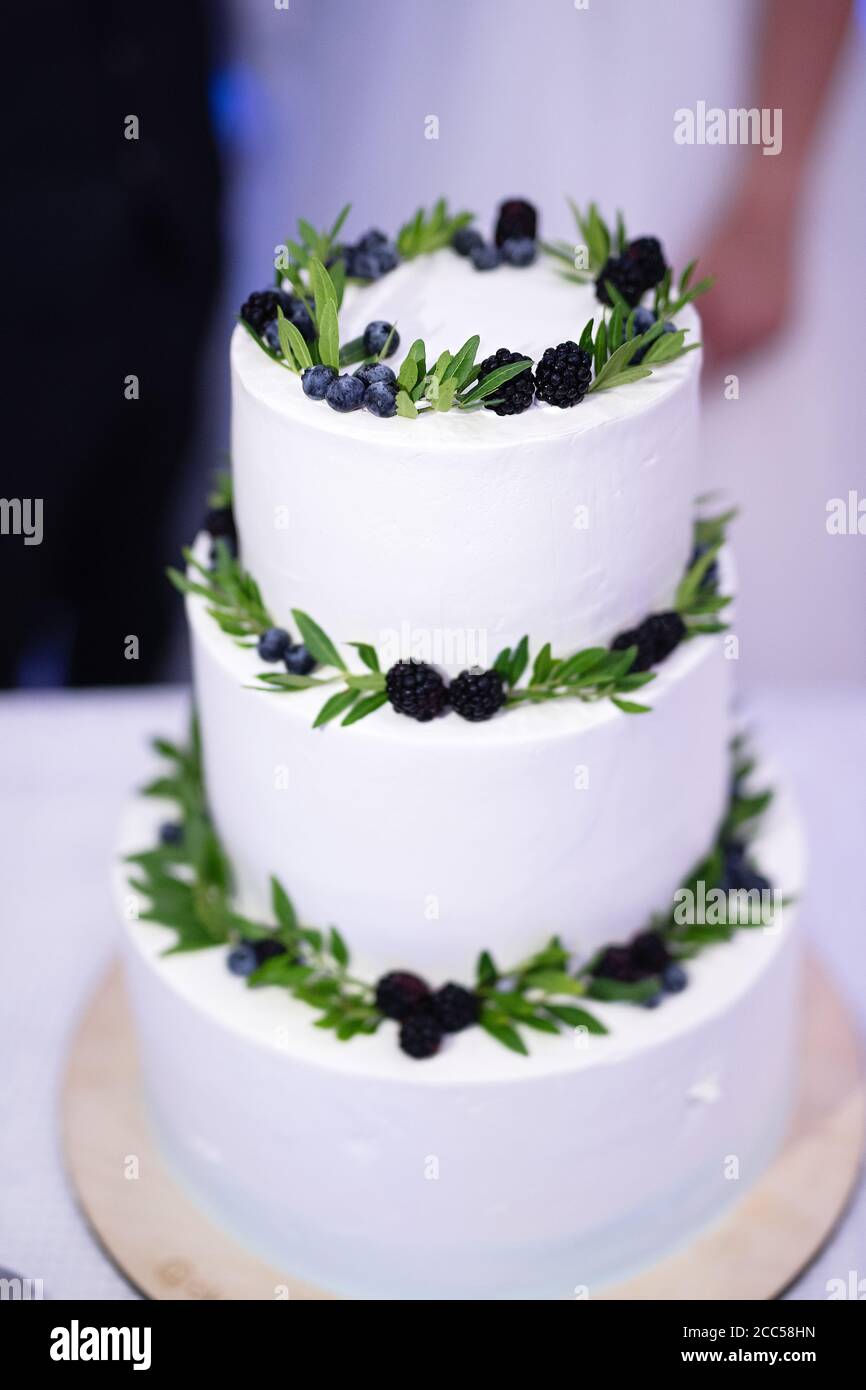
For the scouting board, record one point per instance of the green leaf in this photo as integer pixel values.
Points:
(616, 991)
(294, 347)
(576, 1018)
(630, 706)
(405, 407)
(462, 363)
(338, 948)
(600, 351)
(543, 666)
(329, 335)
(622, 378)
(368, 705)
(367, 654)
(556, 982)
(334, 706)
(495, 379)
(283, 682)
(500, 1029)
(447, 392)
(485, 969)
(578, 665)
(317, 642)
(519, 661)
(339, 223)
(282, 906)
(408, 374)
(586, 338)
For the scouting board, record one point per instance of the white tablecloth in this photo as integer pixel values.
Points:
(69, 761)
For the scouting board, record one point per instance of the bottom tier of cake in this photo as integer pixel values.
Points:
(480, 1173)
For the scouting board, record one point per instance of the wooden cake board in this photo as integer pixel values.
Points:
(168, 1249)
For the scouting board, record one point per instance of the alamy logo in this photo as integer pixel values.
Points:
(715, 907)
(714, 125)
(15, 1289)
(22, 516)
(77, 1343)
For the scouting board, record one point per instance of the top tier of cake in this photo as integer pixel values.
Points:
(456, 533)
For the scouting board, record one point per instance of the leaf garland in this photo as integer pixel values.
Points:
(589, 675)
(451, 381)
(430, 231)
(189, 888)
(231, 594)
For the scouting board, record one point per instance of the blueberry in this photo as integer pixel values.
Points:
(674, 978)
(316, 380)
(346, 393)
(363, 265)
(273, 644)
(242, 959)
(371, 240)
(484, 257)
(465, 240)
(380, 398)
(518, 251)
(643, 320)
(376, 335)
(653, 1001)
(171, 833)
(386, 258)
(368, 372)
(298, 660)
(247, 956)
(299, 315)
(271, 335)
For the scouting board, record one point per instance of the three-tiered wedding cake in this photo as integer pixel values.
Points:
(497, 827)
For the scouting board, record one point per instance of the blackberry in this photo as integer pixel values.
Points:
(649, 953)
(625, 276)
(618, 963)
(219, 523)
(247, 956)
(421, 1034)
(465, 239)
(515, 395)
(517, 219)
(646, 253)
(261, 308)
(416, 689)
(399, 993)
(668, 631)
(477, 694)
(455, 1008)
(563, 375)
(655, 639)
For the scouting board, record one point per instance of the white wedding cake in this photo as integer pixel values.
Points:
(465, 793)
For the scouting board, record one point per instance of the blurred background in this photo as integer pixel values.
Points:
(129, 258)
(253, 112)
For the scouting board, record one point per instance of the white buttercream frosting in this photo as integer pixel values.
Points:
(568, 523)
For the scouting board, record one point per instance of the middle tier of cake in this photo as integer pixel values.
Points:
(424, 843)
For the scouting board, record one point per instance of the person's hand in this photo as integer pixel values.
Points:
(751, 259)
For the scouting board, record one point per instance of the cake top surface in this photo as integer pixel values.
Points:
(443, 300)
(459, 341)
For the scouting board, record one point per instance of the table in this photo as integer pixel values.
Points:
(69, 762)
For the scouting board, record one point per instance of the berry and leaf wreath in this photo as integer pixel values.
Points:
(187, 881)
(296, 321)
(417, 689)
